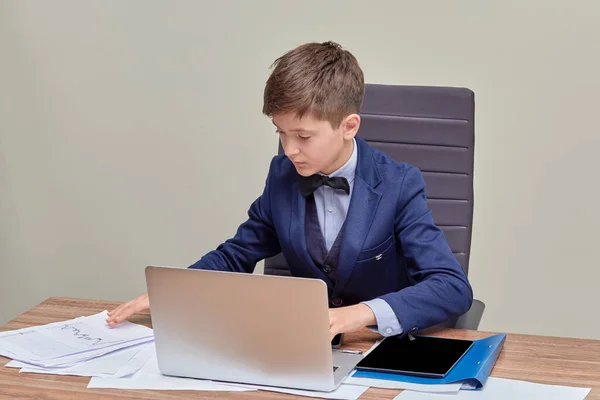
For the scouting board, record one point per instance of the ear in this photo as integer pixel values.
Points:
(350, 126)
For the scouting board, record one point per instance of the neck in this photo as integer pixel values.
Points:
(342, 159)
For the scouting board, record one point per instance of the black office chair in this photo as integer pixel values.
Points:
(431, 128)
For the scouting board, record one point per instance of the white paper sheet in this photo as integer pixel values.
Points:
(67, 343)
(150, 378)
(379, 383)
(503, 389)
(114, 365)
(33, 328)
(75, 359)
(344, 392)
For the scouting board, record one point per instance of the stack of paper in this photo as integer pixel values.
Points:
(84, 346)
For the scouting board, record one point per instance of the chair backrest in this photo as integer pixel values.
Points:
(431, 128)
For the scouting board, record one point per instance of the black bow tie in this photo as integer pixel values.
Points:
(308, 184)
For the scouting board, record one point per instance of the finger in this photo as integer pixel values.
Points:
(116, 311)
(117, 319)
(119, 314)
(122, 306)
(332, 317)
(125, 310)
(128, 309)
(128, 304)
(119, 309)
(332, 333)
(334, 329)
(112, 314)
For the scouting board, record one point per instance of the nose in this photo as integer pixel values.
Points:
(290, 149)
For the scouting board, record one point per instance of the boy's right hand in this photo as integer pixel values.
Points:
(126, 310)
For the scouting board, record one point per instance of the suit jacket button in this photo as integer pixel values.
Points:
(327, 269)
(337, 301)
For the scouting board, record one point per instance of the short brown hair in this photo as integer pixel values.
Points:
(321, 79)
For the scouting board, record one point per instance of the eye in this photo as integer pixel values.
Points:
(277, 131)
(304, 137)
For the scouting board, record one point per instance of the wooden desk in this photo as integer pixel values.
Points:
(560, 361)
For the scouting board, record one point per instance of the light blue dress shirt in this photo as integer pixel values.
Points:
(332, 208)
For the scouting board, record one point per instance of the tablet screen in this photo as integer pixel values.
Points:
(423, 356)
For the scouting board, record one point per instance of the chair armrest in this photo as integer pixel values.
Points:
(472, 318)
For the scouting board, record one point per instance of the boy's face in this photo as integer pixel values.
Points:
(313, 145)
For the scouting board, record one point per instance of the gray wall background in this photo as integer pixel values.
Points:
(120, 119)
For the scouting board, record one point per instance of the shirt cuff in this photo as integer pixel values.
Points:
(387, 322)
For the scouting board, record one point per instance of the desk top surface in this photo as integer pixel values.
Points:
(541, 359)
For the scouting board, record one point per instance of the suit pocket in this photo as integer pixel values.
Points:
(376, 253)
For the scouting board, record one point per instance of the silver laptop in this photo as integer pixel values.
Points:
(244, 328)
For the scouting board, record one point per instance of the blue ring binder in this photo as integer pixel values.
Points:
(472, 370)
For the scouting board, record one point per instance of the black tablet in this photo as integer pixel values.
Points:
(424, 356)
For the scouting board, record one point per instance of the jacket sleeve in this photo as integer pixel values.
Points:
(441, 289)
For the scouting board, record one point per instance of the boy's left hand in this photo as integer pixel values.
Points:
(351, 318)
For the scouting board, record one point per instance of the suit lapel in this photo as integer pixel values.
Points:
(361, 213)
(362, 210)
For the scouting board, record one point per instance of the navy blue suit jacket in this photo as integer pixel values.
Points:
(391, 248)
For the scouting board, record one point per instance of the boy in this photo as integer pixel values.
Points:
(340, 210)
